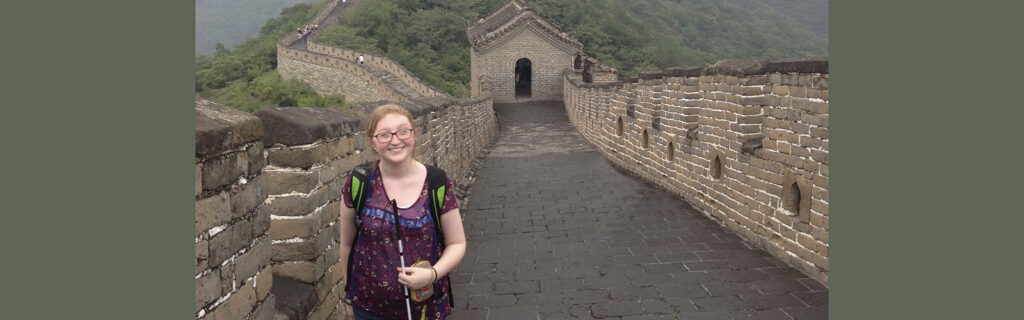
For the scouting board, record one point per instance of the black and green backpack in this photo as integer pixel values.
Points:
(437, 181)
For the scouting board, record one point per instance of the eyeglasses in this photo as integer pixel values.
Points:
(385, 137)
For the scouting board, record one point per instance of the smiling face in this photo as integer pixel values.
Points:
(394, 150)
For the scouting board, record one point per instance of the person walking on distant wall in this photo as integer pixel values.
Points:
(360, 59)
(398, 210)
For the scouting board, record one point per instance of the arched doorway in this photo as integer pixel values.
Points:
(523, 79)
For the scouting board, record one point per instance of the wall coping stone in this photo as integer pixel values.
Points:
(817, 64)
(220, 128)
(631, 80)
(298, 126)
(735, 67)
(683, 72)
(651, 75)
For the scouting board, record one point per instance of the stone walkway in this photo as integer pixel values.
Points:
(555, 232)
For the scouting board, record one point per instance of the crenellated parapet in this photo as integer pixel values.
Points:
(744, 141)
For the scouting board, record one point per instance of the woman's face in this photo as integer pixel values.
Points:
(394, 149)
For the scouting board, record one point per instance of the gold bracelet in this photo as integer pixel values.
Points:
(435, 274)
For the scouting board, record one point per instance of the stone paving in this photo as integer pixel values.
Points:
(555, 232)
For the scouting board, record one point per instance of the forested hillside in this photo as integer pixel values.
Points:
(246, 77)
(428, 37)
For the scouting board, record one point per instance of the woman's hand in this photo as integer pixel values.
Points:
(415, 278)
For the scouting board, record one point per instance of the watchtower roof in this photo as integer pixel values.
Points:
(511, 15)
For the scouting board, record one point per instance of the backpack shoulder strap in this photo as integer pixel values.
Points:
(360, 186)
(360, 183)
(437, 183)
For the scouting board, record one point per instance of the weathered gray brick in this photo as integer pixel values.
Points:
(297, 157)
(264, 282)
(305, 271)
(297, 226)
(239, 305)
(212, 211)
(254, 158)
(284, 182)
(207, 290)
(246, 197)
(305, 249)
(246, 265)
(223, 170)
(226, 243)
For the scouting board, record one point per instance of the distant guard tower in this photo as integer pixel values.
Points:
(521, 53)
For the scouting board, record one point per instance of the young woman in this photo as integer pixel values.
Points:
(376, 289)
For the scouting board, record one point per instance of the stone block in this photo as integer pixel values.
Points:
(338, 273)
(303, 157)
(298, 126)
(245, 198)
(338, 168)
(304, 249)
(256, 258)
(305, 271)
(288, 181)
(818, 120)
(331, 212)
(223, 170)
(239, 305)
(220, 128)
(226, 243)
(298, 205)
(322, 285)
(820, 82)
(819, 132)
(800, 151)
(297, 227)
(819, 107)
(208, 290)
(261, 221)
(798, 92)
(750, 119)
(254, 158)
(264, 282)
(339, 147)
(326, 307)
(212, 212)
(780, 90)
(800, 128)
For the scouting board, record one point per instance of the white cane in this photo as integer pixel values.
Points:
(401, 257)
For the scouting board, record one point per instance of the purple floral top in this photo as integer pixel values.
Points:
(374, 285)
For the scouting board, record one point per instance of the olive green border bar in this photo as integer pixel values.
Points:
(924, 145)
(98, 185)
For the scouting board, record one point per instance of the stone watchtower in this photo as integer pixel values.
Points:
(519, 55)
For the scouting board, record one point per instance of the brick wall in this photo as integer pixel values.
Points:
(334, 70)
(331, 75)
(765, 123)
(498, 63)
(233, 273)
(267, 217)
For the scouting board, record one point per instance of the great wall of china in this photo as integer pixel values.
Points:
(744, 141)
